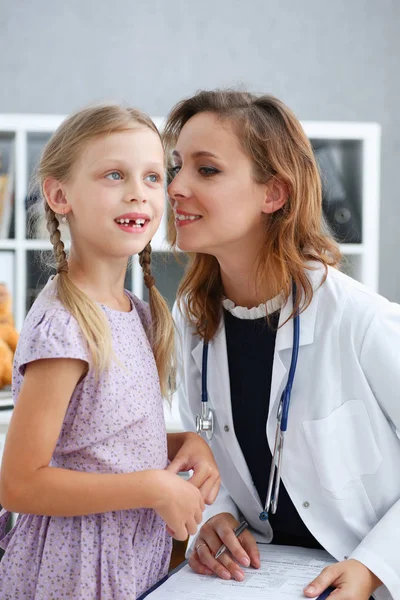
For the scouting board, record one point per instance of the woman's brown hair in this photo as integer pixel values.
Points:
(58, 159)
(295, 235)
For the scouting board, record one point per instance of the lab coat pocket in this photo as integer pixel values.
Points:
(343, 448)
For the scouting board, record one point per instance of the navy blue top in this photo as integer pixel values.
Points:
(250, 346)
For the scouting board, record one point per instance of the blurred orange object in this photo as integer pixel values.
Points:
(8, 337)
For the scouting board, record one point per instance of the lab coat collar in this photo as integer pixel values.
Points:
(284, 337)
(284, 343)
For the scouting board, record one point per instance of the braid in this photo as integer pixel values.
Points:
(89, 316)
(145, 262)
(161, 331)
(55, 238)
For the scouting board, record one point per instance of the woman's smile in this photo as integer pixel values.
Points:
(183, 218)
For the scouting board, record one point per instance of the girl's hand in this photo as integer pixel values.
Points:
(352, 580)
(217, 531)
(194, 454)
(178, 502)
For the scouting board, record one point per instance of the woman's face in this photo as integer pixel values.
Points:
(218, 206)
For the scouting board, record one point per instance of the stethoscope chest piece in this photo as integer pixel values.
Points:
(205, 422)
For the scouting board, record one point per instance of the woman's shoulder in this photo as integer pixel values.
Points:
(180, 317)
(354, 303)
(347, 288)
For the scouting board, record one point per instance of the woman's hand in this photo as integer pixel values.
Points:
(194, 454)
(178, 502)
(352, 580)
(217, 531)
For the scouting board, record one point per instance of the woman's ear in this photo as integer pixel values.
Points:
(54, 194)
(276, 195)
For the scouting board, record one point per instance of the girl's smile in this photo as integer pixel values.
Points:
(133, 222)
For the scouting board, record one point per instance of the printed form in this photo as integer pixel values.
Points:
(284, 573)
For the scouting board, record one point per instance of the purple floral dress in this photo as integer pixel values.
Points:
(112, 425)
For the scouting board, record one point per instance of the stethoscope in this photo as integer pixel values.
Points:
(205, 421)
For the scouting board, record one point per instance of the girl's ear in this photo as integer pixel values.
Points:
(276, 195)
(55, 196)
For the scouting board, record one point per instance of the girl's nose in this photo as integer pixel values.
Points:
(135, 198)
(135, 194)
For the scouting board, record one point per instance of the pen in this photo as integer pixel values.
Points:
(237, 531)
(326, 593)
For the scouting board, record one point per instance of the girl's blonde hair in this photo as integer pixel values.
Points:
(58, 159)
(277, 146)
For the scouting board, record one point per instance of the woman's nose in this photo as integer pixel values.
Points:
(178, 188)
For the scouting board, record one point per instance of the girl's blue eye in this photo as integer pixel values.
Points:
(115, 176)
(153, 178)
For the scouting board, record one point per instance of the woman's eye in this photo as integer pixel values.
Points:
(207, 171)
(114, 176)
(174, 170)
(153, 178)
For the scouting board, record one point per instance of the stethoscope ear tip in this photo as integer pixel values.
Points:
(263, 516)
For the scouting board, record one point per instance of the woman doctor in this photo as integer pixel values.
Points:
(246, 206)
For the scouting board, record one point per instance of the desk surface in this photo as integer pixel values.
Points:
(6, 401)
(6, 406)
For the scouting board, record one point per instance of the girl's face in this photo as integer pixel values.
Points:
(218, 206)
(115, 195)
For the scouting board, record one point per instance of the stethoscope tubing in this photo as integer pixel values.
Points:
(293, 365)
(204, 367)
(205, 421)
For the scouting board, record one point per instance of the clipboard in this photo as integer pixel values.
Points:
(163, 580)
(323, 596)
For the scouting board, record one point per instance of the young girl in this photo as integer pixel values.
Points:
(87, 445)
(246, 200)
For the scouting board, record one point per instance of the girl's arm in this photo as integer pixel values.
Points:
(29, 485)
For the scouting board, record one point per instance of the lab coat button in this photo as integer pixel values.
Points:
(226, 427)
(306, 504)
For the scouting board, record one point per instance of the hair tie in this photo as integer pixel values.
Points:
(62, 267)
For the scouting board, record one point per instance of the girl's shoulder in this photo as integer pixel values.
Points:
(50, 331)
(48, 312)
(47, 298)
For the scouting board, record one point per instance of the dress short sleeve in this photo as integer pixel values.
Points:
(51, 333)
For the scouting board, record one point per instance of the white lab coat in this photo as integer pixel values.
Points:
(341, 463)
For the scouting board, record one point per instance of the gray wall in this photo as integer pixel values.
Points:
(328, 60)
